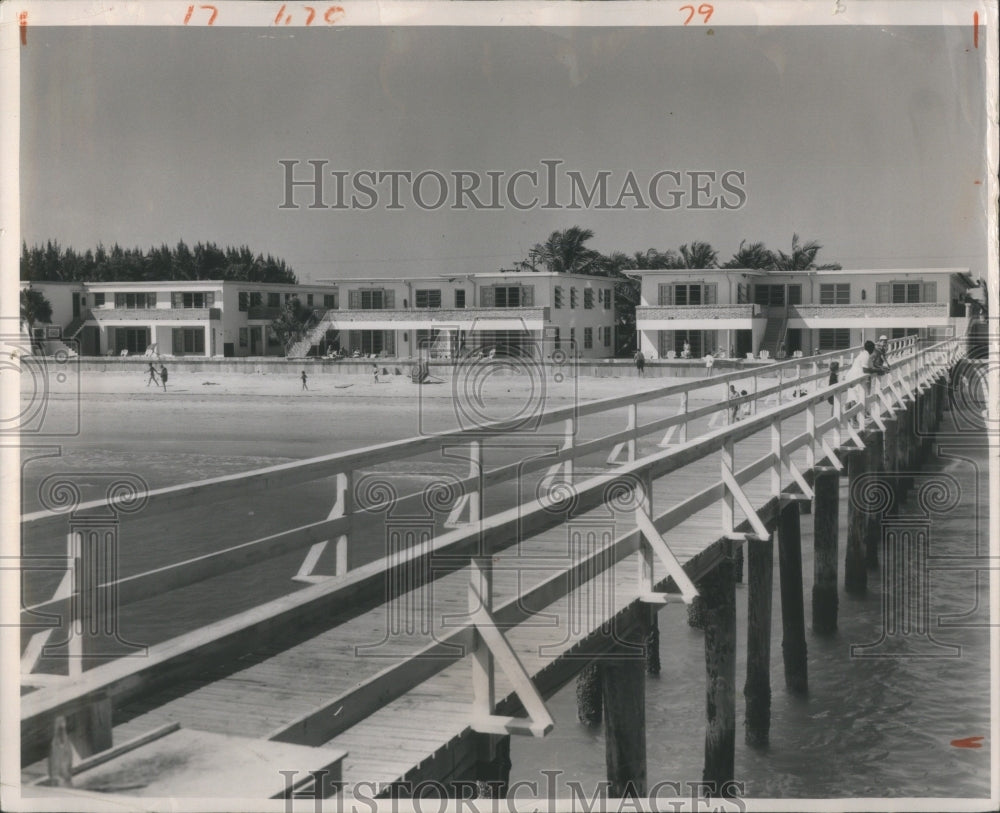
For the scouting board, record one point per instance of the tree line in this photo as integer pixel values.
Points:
(203, 261)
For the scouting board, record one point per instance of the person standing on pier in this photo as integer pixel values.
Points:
(879, 363)
(640, 361)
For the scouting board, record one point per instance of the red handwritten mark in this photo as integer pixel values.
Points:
(211, 19)
(22, 22)
(705, 10)
(975, 28)
(334, 14)
(968, 742)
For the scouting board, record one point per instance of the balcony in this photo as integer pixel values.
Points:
(263, 312)
(442, 316)
(698, 312)
(882, 314)
(156, 314)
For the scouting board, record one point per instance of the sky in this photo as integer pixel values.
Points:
(870, 140)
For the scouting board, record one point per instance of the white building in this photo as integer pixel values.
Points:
(449, 315)
(736, 312)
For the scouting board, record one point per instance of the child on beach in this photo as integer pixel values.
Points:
(163, 376)
(304, 377)
(152, 376)
(375, 372)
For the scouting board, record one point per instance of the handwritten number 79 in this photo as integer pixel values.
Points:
(704, 10)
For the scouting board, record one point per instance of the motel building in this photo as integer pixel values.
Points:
(735, 312)
(444, 317)
(199, 318)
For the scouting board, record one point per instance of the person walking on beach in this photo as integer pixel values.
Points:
(163, 376)
(304, 377)
(640, 361)
(152, 376)
(375, 372)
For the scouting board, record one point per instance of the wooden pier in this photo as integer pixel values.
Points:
(500, 583)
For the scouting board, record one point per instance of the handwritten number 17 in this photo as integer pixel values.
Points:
(704, 10)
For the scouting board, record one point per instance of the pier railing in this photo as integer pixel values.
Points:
(351, 592)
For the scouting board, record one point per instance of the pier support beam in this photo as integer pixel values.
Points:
(652, 638)
(624, 683)
(855, 571)
(718, 589)
(757, 690)
(492, 765)
(873, 525)
(889, 457)
(589, 705)
(793, 625)
(904, 442)
(826, 528)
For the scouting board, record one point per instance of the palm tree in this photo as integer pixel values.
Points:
(34, 308)
(565, 252)
(802, 257)
(653, 258)
(754, 255)
(698, 255)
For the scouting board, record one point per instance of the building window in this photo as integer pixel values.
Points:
(588, 299)
(375, 299)
(309, 300)
(274, 300)
(244, 337)
(98, 300)
(330, 301)
(134, 301)
(428, 298)
(572, 297)
(572, 337)
(588, 338)
(244, 300)
(256, 299)
(556, 340)
(460, 298)
(834, 338)
(905, 293)
(192, 300)
(769, 294)
(794, 294)
(607, 337)
(507, 297)
(607, 299)
(557, 297)
(834, 294)
(188, 340)
(688, 294)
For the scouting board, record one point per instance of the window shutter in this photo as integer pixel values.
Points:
(666, 297)
(882, 290)
(354, 300)
(527, 296)
(711, 290)
(389, 299)
(486, 297)
(929, 294)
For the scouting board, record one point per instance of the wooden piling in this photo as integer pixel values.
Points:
(873, 524)
(696, 613)
(855, 570)
(652, 638)
(889, 458)
(826, 528)
(589, 706)
(904, 443)
(492, 765)
(624, 682)
(718, 589)
(793, 625)
(757, 689)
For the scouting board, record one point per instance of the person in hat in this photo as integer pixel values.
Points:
(878, 363)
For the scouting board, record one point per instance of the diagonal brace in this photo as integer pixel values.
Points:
(743, 501)
(667, 558)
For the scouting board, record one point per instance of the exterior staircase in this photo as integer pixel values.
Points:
(319, 324)
(774, 331)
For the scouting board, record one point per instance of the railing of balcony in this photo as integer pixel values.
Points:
(744, 311)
